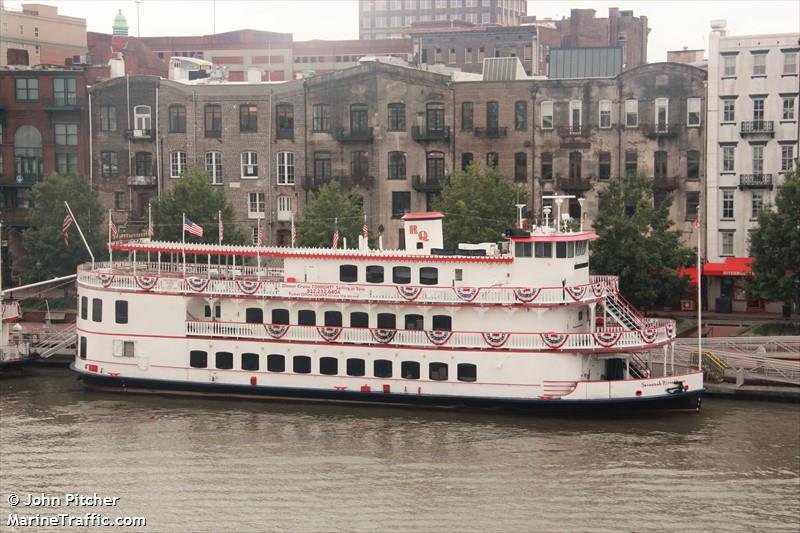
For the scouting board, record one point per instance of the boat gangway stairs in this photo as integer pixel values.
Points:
(49, 343)
(623, 312)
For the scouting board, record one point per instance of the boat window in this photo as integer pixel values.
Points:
(84, 307)
(224, 360)
(459, 274)
(207, 311)
(414, 322)
(355, 367)
(276, 363)
(121, 311)
(348, 273)
(333, 318)
(198, 359)
(561, 250)
(523, 249)
(382, 368)
(280, 316)
(581, 247)
(467, 372)
(438, 371)
(543, 249)
(128, 348)
(83, 348)
(328, 366)
(97, 310)
(301, 364)
(254, 315)
(401, 275)
(428, 276)
(442, 323)
(374, 274)
(306, 317)
(570, 249)
(249, 361)
(409, 370)
(387, 321)
(359, 320)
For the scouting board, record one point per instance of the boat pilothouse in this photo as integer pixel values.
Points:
(520, 323)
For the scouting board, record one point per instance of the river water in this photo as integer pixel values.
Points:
(203, 465)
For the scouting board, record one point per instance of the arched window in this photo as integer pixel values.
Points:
(434, 116)
(435, 166)
(249, 165)
(214, 167)
(28, 152)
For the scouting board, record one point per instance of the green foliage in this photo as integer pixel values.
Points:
(478, 205)
(775, 245)
(316, 227)
(46, 254)
(194, 195)
(636, 243)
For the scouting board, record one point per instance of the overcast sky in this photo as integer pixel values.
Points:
(674, 24)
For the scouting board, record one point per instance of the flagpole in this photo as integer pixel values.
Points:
(293, 230)
(219, 228)
(110, 258)
(80, 232)
(258, 244)
(699, 293)
(183, 241)
(150, 232)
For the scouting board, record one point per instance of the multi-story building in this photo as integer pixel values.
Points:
(752, 142)
(382, 19)
(42, 123)
(36, 34)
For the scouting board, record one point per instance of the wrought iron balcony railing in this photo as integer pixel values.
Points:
(421, 134)
(362, 135)
(755, 181)
(491, 133)
(756, 127)
(429, 183)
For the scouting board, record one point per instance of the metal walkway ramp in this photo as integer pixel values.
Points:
(54, 342)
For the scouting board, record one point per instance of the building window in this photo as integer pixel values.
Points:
(662, 114)
(726, 243)
(437, 371)
(660, 164)
(520, 115)
(409, 370)
(547, 165)
(276, 363)
(119, 200)
(177, 119)
(321, 117)
(397, 117)
(729, 66)
(758, 159)
(492, 159)
(65, 91)
(788, 108)
(728, 155)
(248, 118)
(631, 113)
(692, 203)
(214, 167)
(604, 165)
(466, 160)
(401, 203)
(451, 56)
(255, 205)
(787, 157)
(521, 166)
(198, 359)
(466, 116)
(728, 110)
(213, 121)
(285, 169)
(575, 159)
(322, 165)
(27, 89)
(547, 115)
(434, 117)
(109, 164)
(575, 115)
(756, 205)
(284, 120)
(249, 164)
(790, 62)
(359, 118)
(435, 166)
(142, 118)
(397, 165)
(758, 109)
(143, 164)
(631, 163)
(177, 163)
(284, 208)
(605, 114)
(108, 118)
(492, 116)
(359, 164)
(67, 164)
(693, 112)
(727, 204)
(97, 310)
(693, 165)
(759, 64)
(66, 134)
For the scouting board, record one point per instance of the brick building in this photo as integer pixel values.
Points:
(36, 34)
(42, 125)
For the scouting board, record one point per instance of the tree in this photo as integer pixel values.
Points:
(636, 243)
(775, 245)
(47, 255)
(194, 195)
(478, 205)
(316, 227)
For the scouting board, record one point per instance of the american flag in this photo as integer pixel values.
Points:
(259, 236)
(113, 228)
(192, 228)
(365, 229)
(294, 232)
(68, 221)
(335, 243)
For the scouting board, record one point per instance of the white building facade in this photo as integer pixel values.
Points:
(753, 86)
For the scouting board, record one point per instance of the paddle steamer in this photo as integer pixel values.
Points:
(519, 323)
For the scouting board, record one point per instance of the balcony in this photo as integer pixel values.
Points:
(142, 181)
(755, 181)
(574, 131)
(421, 134)
(139, 135)
(345, 136)
(664, 183)
(20, 180)
(656, 131)
(574, 184)
(429, 184)
(757, 127)
(313, 183)
(491, 133)
(66, 103)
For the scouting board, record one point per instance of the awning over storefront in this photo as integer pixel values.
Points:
(691, 273)
(732, 266)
